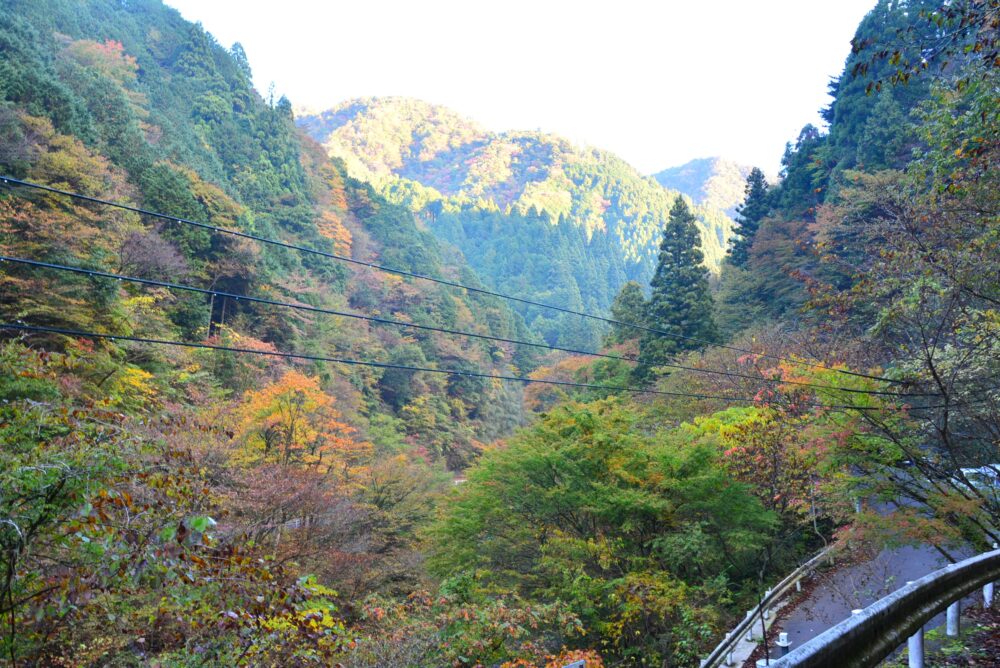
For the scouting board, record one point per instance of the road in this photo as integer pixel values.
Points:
(858, 586)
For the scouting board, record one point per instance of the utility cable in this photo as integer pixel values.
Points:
(7, 180)
(404, 367)
(401, 323)
(300, 306)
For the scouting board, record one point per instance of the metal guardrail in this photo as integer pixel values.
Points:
(869, 636)
(721, 653)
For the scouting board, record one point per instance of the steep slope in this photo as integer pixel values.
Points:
(874, 125)
(487, 192)
(131, 102)
(378, 138)
(714, 182)
(198, 482)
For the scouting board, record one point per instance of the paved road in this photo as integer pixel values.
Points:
(859, 586)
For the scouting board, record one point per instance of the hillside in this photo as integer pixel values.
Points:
(176, 127)
(137, 106)
(456, 175)
(132, 104)
(387, 139)
(229, 438)
(714, 182)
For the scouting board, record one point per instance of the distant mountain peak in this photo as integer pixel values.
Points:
(715, 182)
(378, 137)
(418, 153)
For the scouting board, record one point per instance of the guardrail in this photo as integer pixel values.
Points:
(722, 654)
(870, 635)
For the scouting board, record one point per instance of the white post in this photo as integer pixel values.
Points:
(784, 644)
(915, 649)
(988, 591)
(954, 612)
(915, 645)
(798, 585)
(729, 655)
(857, 504)
(750, 628)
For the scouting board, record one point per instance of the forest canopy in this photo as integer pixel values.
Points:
(379, 387)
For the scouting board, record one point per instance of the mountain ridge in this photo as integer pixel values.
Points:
(598, 218)
(381, 139)
(713, 181)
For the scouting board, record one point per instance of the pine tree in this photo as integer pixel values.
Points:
(680, 302)
(628, 306)
(748, 216)
(886, 138)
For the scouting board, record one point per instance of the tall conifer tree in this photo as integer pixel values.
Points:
(680, 302)
(628, 307)
(748, 216)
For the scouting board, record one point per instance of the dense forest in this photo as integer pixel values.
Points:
(597, 219)
(228, 437)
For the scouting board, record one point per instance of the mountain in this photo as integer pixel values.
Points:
(190, 478)
(208, 446)
(149, 109)
(713, 182)
(501, 197)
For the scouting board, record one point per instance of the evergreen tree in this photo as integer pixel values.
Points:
(680, 302)
(241, 60)
(627, 307)
(887, 138)
(882, 29)
(748, 216)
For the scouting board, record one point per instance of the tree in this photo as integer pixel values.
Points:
(240, 58)
(628, 308)
(748, 216)
(887, 137)
(624, 524)
(762, 448)
(921, 246)
(680, 303)
(902, 32)
(293, 420)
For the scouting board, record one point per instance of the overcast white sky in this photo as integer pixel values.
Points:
(657, 81)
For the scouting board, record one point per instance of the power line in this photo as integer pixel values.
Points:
(7, 180)
(301, 307)
(400, 323)
(404, 367)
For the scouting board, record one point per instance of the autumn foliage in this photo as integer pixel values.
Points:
(292, 421)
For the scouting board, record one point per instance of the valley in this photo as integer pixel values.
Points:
(379, 386)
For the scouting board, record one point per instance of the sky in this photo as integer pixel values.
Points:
(659, 82)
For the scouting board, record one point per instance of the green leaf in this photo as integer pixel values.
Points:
(200, 523)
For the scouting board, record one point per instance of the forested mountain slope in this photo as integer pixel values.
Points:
(589, 221)
(875, 119)
(234, 498)
(147, 108)
(138, 449)
(715, 182)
